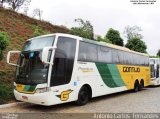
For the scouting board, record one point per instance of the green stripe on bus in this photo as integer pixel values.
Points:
(26, 88)
(29, 88)
(116, 74)
(106, 75)
(110, 75)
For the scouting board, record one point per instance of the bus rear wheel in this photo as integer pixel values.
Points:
(83, 96)
(136, 86)
(141, 85)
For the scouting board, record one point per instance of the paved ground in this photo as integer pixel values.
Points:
(145, 101)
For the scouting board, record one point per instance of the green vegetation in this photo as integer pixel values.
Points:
(158, 53)
(154, 56)
(4, 42)
(6, 92)
(18, 28)
(85, 29)
(137, 45)
(134, 39)
(114, 37)
(99, 38)
(38, 31)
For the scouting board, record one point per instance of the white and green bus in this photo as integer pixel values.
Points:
(155, 71)
(59, 68)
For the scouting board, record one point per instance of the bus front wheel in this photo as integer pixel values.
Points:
(83, 96)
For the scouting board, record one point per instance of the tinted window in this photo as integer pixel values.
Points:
(95, 53)
(87, 52)
(31, 70)
(104, 54)
(67, 46)
(63, 61)
(115, 56)
(39, 43)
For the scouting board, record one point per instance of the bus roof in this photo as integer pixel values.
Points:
(114, 46)
(91, 41)
(57, 34)
(155, 58)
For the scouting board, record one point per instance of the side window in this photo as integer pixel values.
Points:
(127, 58)
(121, 57)
(87, 52)
(115, 56)
(104, 54)
(67, 46)
(134, 59)
(63, 61)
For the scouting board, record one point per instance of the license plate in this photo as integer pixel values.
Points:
(25, 97)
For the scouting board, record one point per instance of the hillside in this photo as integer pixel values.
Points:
(20, 28)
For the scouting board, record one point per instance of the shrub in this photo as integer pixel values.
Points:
(6, 93)
(4, 42)
(38, 31)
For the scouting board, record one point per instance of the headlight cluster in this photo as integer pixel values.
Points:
(42, 90)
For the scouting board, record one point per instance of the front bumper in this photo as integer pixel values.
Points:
(36, 98)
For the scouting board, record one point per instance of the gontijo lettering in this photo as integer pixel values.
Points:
(131, 69)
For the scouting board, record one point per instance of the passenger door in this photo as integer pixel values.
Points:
(63, 61)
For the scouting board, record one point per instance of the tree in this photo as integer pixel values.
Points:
(37, 13)
(1, 2)
(134, 39)
(85, 29)
(137, 45)
(4, 42)
(16, 4)
(99, 38)
(132, 32)
(114, 37)
(158, 53)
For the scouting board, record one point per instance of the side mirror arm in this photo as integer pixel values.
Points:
(45, 52)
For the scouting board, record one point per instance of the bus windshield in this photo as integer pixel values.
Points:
(39, 43)
(31, 70)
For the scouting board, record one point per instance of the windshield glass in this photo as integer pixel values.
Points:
(38, 43)
(32, 70)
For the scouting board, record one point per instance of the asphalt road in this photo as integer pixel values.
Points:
(145, 101)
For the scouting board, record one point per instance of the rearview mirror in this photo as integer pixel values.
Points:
(9, 55)
(45, 53)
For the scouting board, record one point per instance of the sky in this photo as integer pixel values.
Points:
(105, 14)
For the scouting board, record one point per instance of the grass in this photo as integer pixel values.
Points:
(6, 92)
(6, 86)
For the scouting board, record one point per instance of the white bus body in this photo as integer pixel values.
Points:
(54, 69)
(155, 71)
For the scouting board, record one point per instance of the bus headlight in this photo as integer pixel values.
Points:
(42, 90)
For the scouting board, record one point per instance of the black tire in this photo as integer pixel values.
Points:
(136, 86)
(141, 86)
(83, 96)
